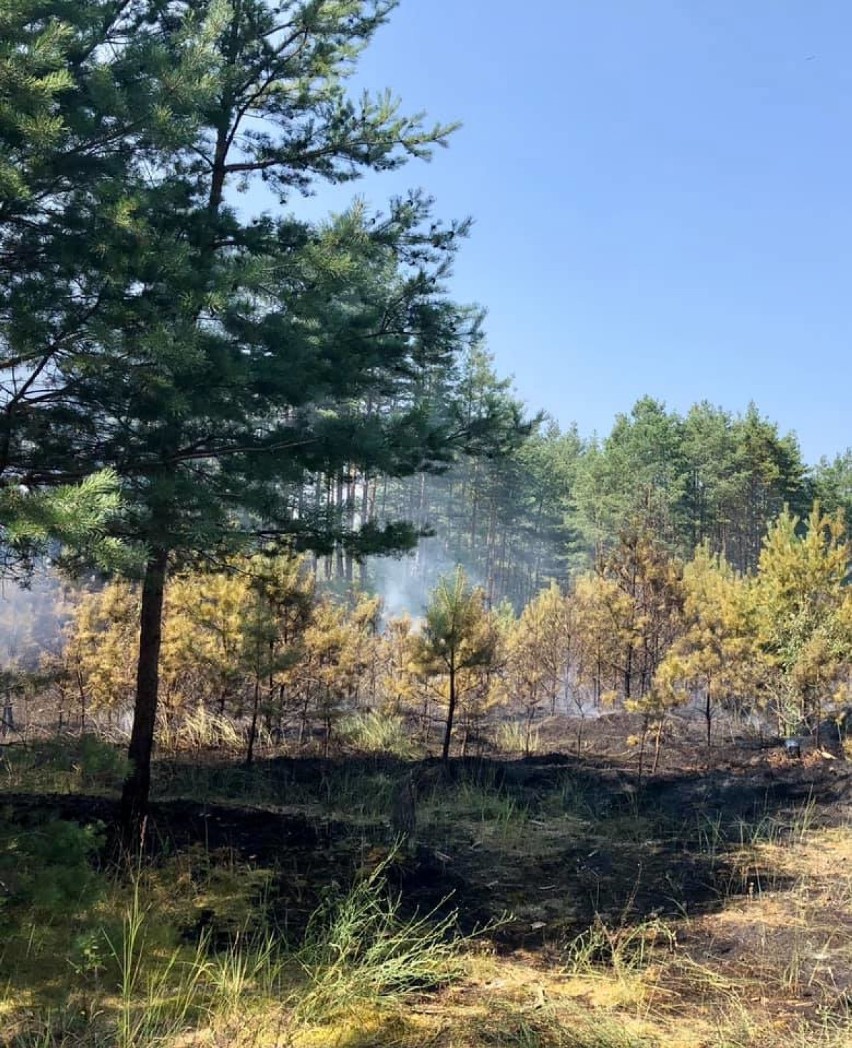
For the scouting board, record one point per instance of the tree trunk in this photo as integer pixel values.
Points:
(528, 734)
(657, 744)
(445, 752)
(646, 725)
(253, 727)
(137, 786)
(708, 716)
(8, 722)
(628, 672)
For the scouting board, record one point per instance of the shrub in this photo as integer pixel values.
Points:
(100, 763)
(66, 763)
(46, 869)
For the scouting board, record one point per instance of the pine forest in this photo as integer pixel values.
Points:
(347, 698)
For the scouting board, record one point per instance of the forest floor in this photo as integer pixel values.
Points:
(560, 899)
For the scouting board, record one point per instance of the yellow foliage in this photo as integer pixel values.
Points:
(223, 631)
(101, 638)
(802, 611)
(397, 681)
(538, 649)
(715, 653)
(626, 615)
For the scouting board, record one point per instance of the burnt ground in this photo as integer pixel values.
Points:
(539, 847)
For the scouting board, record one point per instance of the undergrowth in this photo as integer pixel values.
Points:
(359, 950)
(377, 733)
(118, 971)
(612, 946)
(64, 764)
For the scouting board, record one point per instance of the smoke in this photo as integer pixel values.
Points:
(31, 620)
(405, 583)
(400, 583)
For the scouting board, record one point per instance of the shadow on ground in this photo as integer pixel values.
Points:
(539, 847)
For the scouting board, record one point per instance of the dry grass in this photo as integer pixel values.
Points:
(770, 969)
(764, 962)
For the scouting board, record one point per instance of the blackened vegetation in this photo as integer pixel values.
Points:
(556, 842)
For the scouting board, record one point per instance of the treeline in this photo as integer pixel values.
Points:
(556, 504)
(258, 651)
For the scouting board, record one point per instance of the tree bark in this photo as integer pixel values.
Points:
(708, 717)
(253, 728)
(445, 753)
(137, 786)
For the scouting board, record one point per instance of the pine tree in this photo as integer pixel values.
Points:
(802, 612)
(457, 636)
(710, 476)
(635, 480)
(539, 649)
(221, 365)
(832, 483)
(80, 117)
(71, 521)
(282, 602)
(716, 653)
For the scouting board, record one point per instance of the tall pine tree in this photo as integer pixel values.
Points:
(221, 364)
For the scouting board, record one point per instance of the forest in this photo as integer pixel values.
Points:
(346, 700)
(647, 613)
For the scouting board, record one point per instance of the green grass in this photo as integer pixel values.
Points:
(118, 973)
(377, 733)
(64, 764)
(360, 951)
(622, 949)
(186, 950)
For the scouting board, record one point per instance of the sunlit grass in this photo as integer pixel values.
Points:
(186, 951)
(377, 733)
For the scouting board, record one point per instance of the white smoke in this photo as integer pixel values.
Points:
(31, 620)
(405, 583)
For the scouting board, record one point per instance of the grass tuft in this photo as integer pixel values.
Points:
(517, 739)
(360, 950)
(376, 733)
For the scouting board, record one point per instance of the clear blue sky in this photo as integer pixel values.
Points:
(662, 194)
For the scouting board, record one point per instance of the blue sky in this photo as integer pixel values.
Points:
(662, 195)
